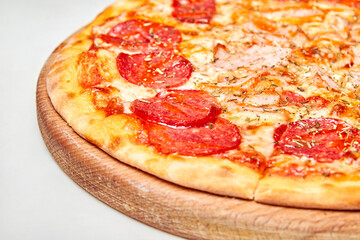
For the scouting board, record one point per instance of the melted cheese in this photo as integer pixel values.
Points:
(261, 139)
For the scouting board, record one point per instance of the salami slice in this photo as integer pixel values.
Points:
(212, 138)
(140, 34)
(194, 11)
(188, 108)
(324, 139)
(291, 98)
(158, 69)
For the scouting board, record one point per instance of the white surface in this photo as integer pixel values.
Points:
(37, 200)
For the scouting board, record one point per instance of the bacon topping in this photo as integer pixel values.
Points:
(291, 98)
(255, 58)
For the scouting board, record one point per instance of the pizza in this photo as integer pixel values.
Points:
(257, 100)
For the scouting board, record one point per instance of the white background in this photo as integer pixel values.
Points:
(37, 200)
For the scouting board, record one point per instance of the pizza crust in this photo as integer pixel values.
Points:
(309, 192)
(208, 174)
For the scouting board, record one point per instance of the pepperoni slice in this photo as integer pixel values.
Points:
(212, 138)
(291, 98)
(323, 139)
(140, 34)
(194, 11)
(158, 69)
(188, 108)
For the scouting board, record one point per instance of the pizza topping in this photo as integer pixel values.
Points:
(294, 13)
(158, 69)
(355, 32)
(328, 80)
(88, 70)
(263, 99)
(100, 97)
(188, 108)
(114, 106)
(194, 11)
(214, 137)
(324, 139)
(291, 98)
(317, 101)
(255, 58)
(141, 35)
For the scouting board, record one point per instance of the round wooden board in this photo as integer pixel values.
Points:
(172, 208)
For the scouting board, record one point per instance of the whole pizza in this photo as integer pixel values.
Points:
(251, 99)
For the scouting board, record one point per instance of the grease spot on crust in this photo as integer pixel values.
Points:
(115, 143)
(78, 42)
(71, 95)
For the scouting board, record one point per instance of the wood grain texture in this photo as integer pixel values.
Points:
(174, 209)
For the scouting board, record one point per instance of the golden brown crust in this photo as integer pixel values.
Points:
(309, 192)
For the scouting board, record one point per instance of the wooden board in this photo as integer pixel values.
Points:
(174, 209)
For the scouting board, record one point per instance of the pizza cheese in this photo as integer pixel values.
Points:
(252, 99)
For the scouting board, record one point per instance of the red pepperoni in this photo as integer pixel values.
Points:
(212, 138)
(158, 69)
(291, 98)
(324, 139)
(194, 11)
(188, 108)
(140, 34)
